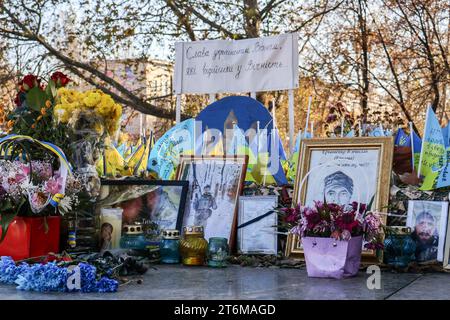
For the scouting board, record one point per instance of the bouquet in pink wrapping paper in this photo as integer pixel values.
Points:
(333, 236)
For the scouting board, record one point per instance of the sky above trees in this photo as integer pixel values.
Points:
(393, 50)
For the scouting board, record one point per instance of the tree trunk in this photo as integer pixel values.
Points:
(365, 55)
(252, 24)
(252, 19)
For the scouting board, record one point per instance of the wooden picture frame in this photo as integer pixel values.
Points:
(200, 179)
(253, 207)
(175, 222)
(337, 148)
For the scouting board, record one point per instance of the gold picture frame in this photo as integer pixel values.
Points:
(186, 160)
(385, 147)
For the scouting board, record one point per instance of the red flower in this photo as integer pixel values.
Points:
(312, 217)
(60, 79)
(362, 207)
(28, 82)
(347, 221)
(290, 215)
(17, 100)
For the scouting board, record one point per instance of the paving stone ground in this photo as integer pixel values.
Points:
(235, 282)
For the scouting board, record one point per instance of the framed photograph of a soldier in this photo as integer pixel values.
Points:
(342, 171)
(257, 225)
(156, 204)
(215, 184)
(428, 221)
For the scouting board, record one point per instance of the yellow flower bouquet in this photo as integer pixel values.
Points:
(101, 111)
(92, 116)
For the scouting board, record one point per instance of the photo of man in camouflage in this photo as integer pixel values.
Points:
(204, 205)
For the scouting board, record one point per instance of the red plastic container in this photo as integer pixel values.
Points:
(27, 238)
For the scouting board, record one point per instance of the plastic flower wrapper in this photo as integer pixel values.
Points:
(340, 222)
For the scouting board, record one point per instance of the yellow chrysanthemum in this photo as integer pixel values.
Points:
(92, 98)
(117, 112)
(99, 128)
(105, 106)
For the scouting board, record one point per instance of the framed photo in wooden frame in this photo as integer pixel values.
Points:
(156, 204)
(215, 184)
(343, 170)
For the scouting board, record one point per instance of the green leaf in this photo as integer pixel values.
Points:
(6, 219)
(50, 90)
(36, 99)
(369, 207)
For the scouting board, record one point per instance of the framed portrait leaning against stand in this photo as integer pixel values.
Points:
(215, 184)
(343, 170)
(428, 221)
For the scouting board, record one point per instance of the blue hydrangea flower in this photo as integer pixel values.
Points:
(107, 285)
(49, 277)
(43, 278)
(9, 271)
(88, 277)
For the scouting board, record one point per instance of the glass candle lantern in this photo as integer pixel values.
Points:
(399, 248)
(133, 237)
(169, 247)
(217, 252)
(110, 228)
(193, 246)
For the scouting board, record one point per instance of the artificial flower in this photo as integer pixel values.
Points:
(29, 81)
(60, 79)
(49, 277)
(92, 98)
(338, 222)
(54, 185)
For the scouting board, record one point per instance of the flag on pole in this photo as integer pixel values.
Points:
(445, 134)
(350, 134)
(293, 161)
(164, 156)
(402, 139)
(417, 148)
(239, 146)
(377, 132)
(432, 157)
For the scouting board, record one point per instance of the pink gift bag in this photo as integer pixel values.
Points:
(331, 258)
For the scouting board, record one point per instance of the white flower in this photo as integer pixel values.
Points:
(65, 205)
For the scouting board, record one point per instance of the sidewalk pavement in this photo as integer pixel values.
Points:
(235, 282)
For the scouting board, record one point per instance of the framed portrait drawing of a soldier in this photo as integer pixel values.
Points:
(156, 204)
(258, 225)
(343, 170)
(428, 221)
(215, 184)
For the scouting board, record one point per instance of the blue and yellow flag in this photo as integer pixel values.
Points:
(164, 156)
(239, 146)
(402, 139)
(416, 148)
(445, 134)
(293, 161)
(433, 152)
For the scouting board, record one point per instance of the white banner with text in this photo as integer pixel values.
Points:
(226, 66)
